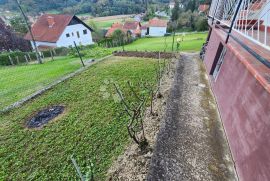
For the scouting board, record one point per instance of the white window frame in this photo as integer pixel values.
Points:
(219, 63)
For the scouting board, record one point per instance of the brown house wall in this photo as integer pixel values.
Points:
(245, 110)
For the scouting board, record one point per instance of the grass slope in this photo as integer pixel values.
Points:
(89, 129)
(192, 42)
(20, 81)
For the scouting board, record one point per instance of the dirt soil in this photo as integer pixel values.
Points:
(133, 164)
(191, 144)
(163, 55)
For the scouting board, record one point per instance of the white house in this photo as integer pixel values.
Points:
(157, 27)
(52, 31)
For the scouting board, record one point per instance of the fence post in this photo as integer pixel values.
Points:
(54, 52)
(29, 57)
(18, 61)
(11, 61)
(78, 53)
(51, 54)
(26, 59)
(42, 55)
(234, 18)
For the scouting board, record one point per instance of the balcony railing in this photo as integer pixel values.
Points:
(251, 18)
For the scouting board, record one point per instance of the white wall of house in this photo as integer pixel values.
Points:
(157, 31)
(143, 32)
(76, 33)
(39, 43)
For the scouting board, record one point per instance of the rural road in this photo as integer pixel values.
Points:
(191, 144)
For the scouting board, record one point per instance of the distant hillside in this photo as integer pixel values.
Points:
(93, 7)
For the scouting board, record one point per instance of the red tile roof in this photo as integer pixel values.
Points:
(157, 23)
(42, 30)
(131, 25)
(114, 27)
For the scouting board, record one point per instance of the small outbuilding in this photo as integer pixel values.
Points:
(157, 27)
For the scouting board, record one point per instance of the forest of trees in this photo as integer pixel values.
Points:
(188, 18)
(93, 7)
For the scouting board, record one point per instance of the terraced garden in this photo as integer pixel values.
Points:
(89, 128)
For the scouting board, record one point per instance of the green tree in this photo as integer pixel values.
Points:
(119, 36)
(97, 32)
(18, 24)
(175, 11)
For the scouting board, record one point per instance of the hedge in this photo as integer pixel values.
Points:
(4, 56)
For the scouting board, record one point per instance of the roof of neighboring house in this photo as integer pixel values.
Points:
(203, 7)
(45, 33)
(131, 25)
(115, 26)
(157, 23)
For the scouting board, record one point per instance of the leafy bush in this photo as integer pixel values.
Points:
(61, 51)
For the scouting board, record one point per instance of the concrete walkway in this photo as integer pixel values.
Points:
(191, 144)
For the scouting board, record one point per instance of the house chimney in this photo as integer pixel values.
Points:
(50, 20)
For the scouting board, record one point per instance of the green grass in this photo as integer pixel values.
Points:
(106, 24)
(192, 42)
(20, 81)
(89, 129)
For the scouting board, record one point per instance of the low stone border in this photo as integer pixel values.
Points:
(17, 104)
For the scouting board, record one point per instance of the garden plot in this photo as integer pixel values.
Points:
(90, 129)
(156, 55)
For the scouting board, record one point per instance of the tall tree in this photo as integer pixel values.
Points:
(18, 24)
(119, 36)
(176, 11)
(10, 41)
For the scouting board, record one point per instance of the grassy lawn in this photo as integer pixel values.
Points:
(106, 22)
(89, 128)
(192, 42)
(18, 82)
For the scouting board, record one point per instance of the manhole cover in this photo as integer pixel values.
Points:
(44, 117)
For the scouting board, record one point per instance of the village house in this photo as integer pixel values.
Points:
(113, 28)
(238, 63)
(52, 31)
(157, 27)
(133, 27)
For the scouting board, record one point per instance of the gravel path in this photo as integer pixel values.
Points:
(191, 144)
